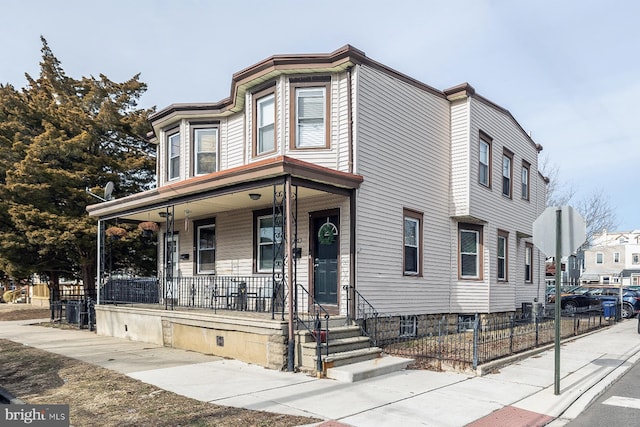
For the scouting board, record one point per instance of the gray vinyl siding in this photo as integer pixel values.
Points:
(232, 141)
(403, 154)
(460, 157)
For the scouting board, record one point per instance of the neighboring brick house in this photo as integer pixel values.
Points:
(376, 185)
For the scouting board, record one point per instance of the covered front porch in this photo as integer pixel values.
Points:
(256, 247)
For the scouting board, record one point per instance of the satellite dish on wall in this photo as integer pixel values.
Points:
(108, 190)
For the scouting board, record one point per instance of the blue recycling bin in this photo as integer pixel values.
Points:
(609, 309)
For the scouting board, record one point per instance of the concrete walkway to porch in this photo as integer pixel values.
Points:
(517, 395)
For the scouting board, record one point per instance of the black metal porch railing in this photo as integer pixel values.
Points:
(73, 305)
(238, 293)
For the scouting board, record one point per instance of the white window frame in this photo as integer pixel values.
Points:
(616, 257)
(528, 263)
(507, 175)
(319, 123)
(264, 122)
(173, 156)
(599, 258)
(412, 241)
(503, 258)
(477, 253)
(198, 132)
(275, 233)
(525, 175)
(635, 258)
(484, 163)
(200, 250)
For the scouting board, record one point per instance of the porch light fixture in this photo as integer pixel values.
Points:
(163, 214)
(255, 196)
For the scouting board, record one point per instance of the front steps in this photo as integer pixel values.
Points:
(351, 356)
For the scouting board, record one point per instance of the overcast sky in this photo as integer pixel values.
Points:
(567, 70)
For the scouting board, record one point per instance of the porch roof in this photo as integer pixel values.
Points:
(232, 186)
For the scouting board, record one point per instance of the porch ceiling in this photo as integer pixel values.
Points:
(228, 190)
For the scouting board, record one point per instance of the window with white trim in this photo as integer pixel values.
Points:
(265, 122)
(470, 251)
(526, 168)
(528, 263)
(616, 257)
(173, 155)
(503, 251)
(484, 161)
(205, 150)
(507, 173)
(206, 248)
(412, 243)
(635, 258)
(599, 257)
(268, 243)
(310, 115)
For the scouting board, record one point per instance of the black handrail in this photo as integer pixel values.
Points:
(316, 328)
(365, 313)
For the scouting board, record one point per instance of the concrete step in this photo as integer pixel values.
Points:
(334, 333)
(368, 369)
(334, 321)
(353, 356)
(337, 345)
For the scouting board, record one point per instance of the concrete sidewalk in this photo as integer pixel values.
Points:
(517, 395)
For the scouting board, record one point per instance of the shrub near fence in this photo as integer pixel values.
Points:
(439, 343)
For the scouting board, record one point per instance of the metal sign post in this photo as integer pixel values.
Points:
(561, 231)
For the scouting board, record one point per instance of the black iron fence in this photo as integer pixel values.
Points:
(240, 293)
(73, 305)
(466, 342)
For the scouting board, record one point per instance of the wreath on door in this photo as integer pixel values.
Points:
(327, 233)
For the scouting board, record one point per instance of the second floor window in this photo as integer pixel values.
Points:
(265, 124)
(173, 154)
(310, 116)
(599, 258)
(525, 180)
(616, 257)
(635, 258)
(205, 150)
(507, 160)
(484, 163)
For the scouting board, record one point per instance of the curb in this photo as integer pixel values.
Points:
(10, 398)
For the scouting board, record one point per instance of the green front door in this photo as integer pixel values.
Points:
(325, 243)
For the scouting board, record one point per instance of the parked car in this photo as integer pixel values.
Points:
(586, 296)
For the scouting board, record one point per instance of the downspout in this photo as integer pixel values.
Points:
(351, 296)
(349, 121)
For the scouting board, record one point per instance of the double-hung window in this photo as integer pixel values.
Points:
(599, 258)
(616, 257)
(507, 173)
(503, 255)
(412, 242)
(484, 161)
(528, 263)
(264, 123)
(310, 115)
(173, 155)
(205, 237)
(268, 243)
(205, 150)
(470, 251)
(526, 169)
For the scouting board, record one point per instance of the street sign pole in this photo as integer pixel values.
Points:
(558, 307)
